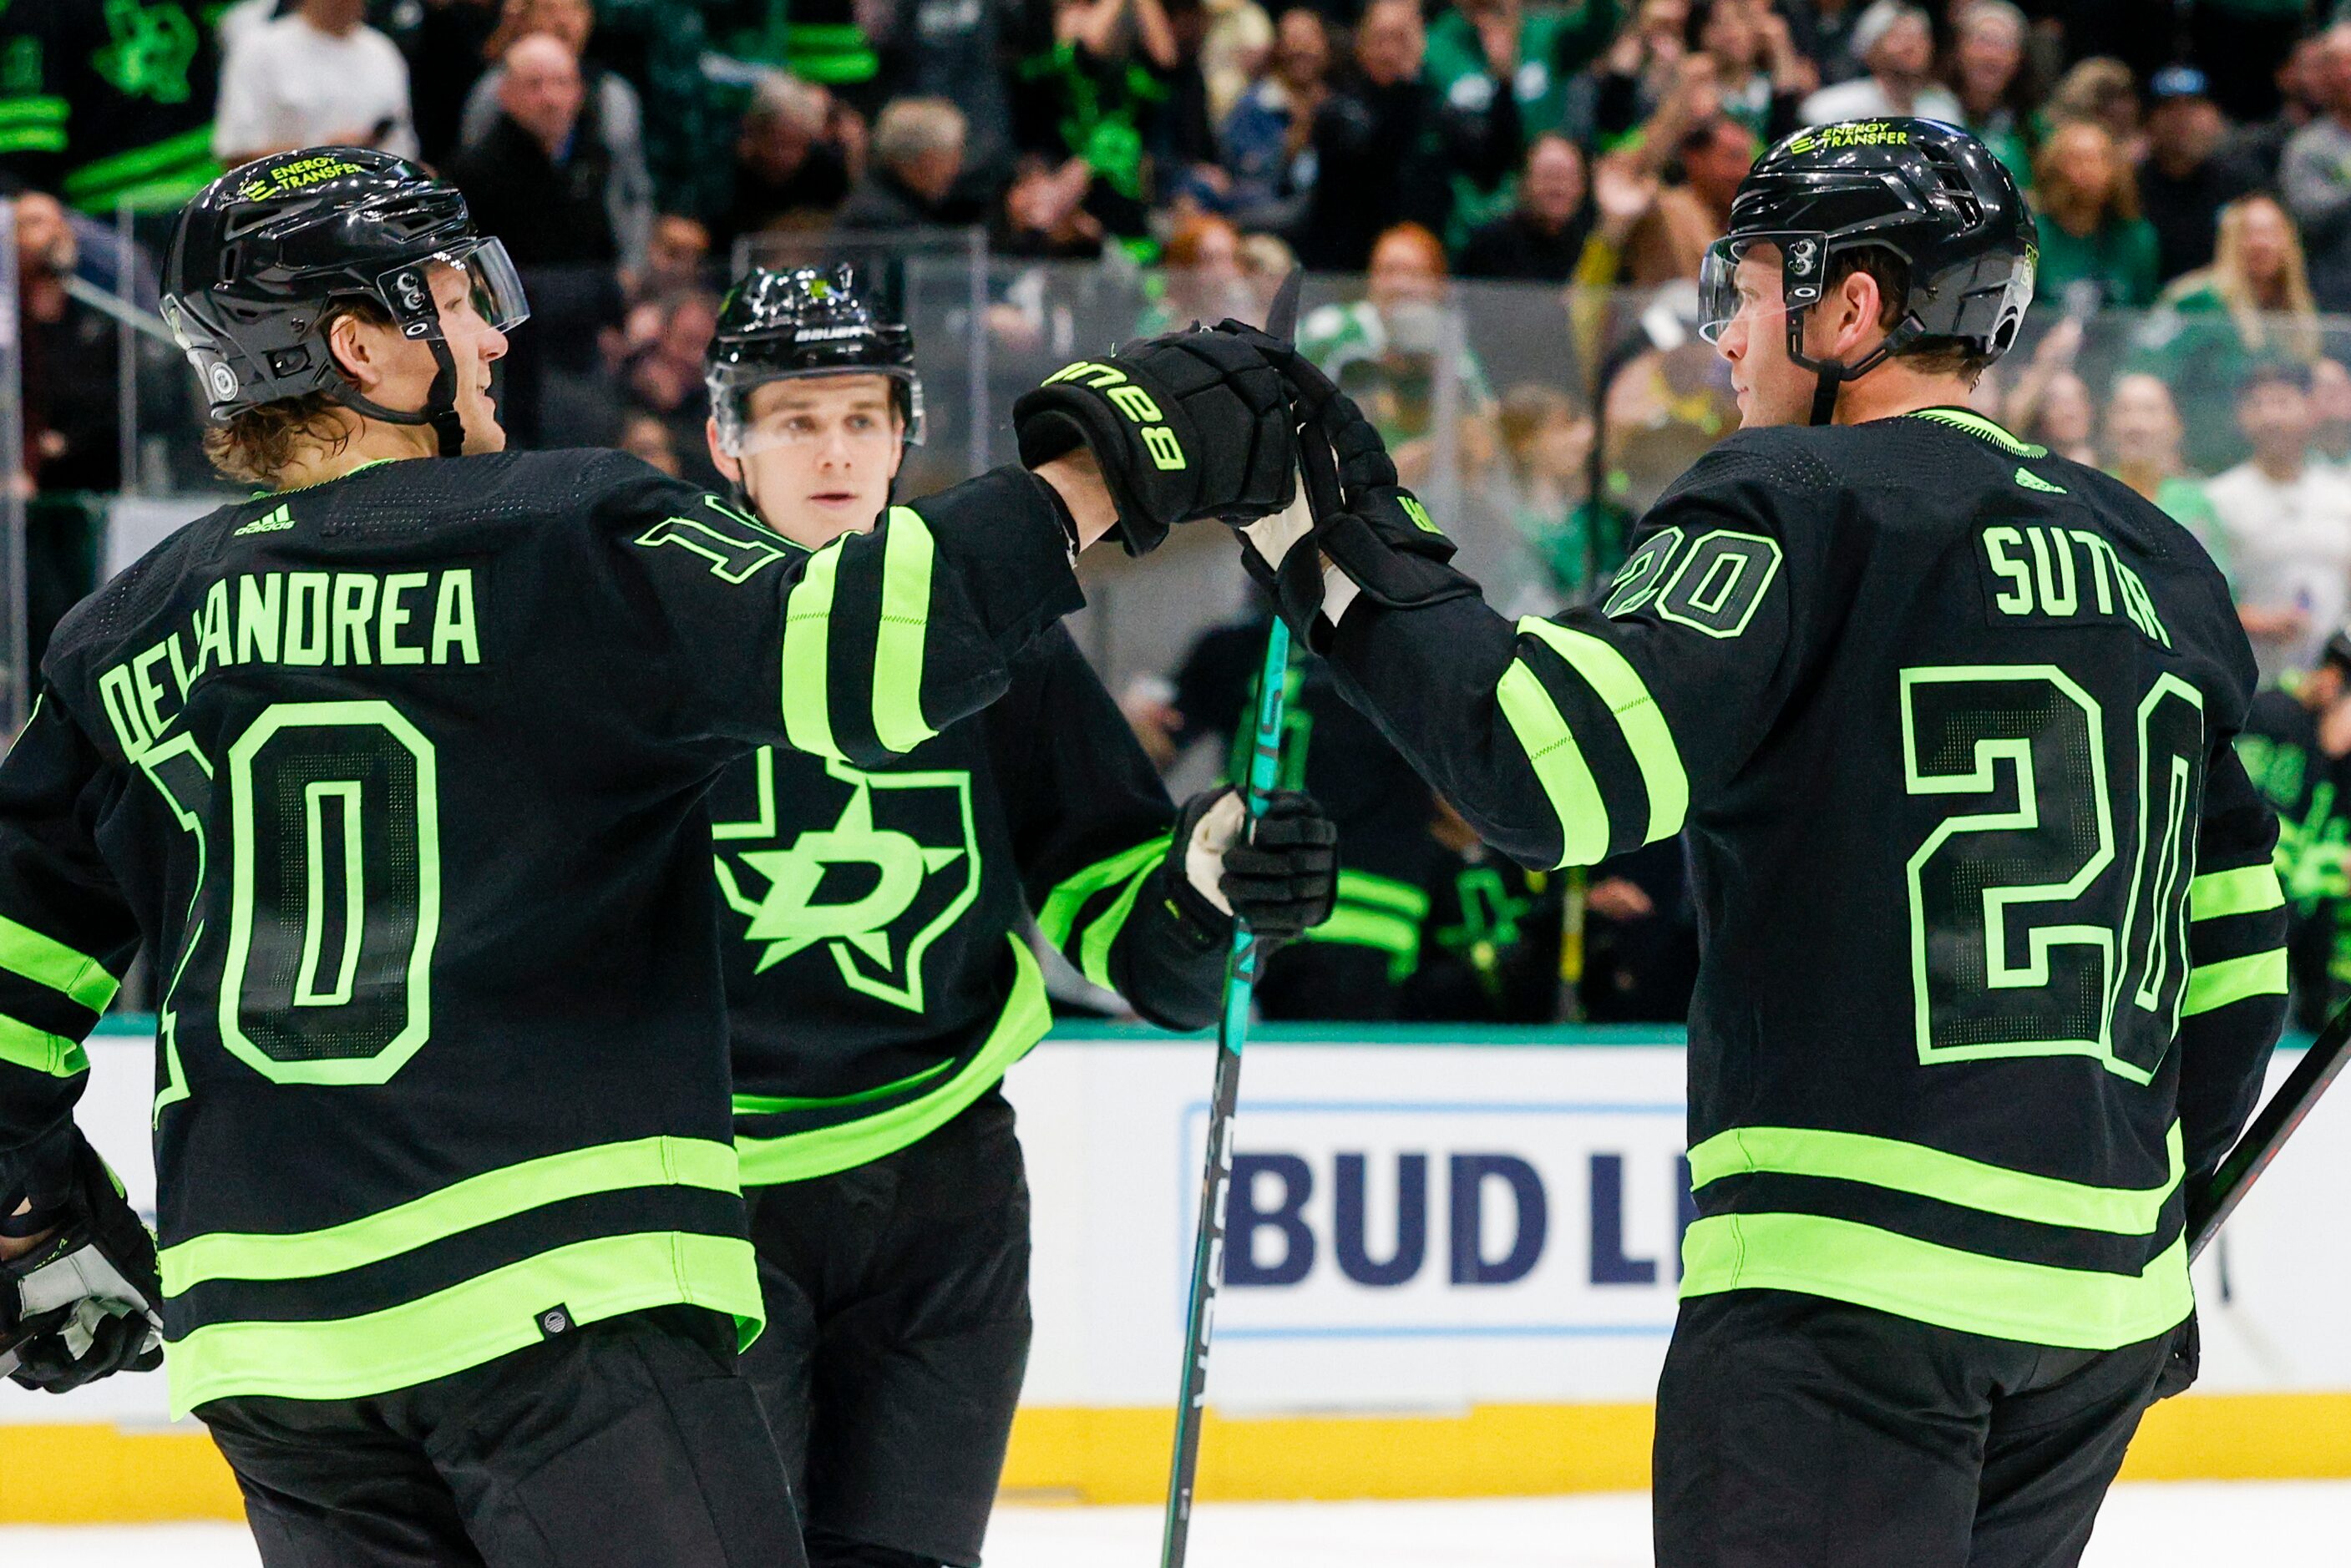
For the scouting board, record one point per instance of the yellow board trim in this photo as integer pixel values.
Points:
(99, 1474)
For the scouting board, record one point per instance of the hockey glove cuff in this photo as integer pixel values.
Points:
(1283, 879)
(1190, 425)
(85, 1304)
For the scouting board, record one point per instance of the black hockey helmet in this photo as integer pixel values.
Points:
(1930, 192)
(804, 322)
(259, 256)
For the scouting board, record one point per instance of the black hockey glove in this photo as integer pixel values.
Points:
(1385, 541)
(1281, 880)
(1189, 425)
(83, 1305)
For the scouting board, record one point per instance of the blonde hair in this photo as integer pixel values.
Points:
(257, 445)
(2120, 201)
(2293, 327)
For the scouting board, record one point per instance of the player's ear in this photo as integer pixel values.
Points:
(1856, 307)
(729, 468)
(357, 351)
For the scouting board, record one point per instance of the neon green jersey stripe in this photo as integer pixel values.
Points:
(1365, 928)
(486, 1317)
(2078, 1308)
(1070, 895)
(1977, 425)
(1093, 947)
(908, 555)
(1933, 1173)
(477, 1200)
(807, 631)
(779, 1104)
(1616, 682)
(2215, 985)
(1383, 892)
(45, 960)
(1558, 766)
(2247, 890)
(26, 1046)
(770, 1162)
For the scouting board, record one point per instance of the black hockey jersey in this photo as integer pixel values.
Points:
(400, 781)
(879, 974)
(1991, 943)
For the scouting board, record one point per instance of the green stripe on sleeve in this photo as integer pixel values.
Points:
(802, 1157)
(2247, 890)
(1383, 893)
(1619, 686)
(463, 1206)
(1844, 1261)
(807, 627)
(2211, 986)
(1093, 948)
(45, 960)
(1558, 766)
(488, 1316)
(1912, 1167)
(908, 552)
(1060, 915)
(23, 1045)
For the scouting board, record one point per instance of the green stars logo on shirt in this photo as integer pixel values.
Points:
(898, 866)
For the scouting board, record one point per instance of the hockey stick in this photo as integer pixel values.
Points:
(1232, 1030)
(2207, 1210)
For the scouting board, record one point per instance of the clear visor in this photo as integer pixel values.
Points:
(1802, 258)
(860, 407)
(494, 293)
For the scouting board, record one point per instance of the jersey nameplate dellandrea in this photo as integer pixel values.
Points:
(339, 619)
(2044, 574)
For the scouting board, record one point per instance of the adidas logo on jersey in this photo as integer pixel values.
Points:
(276, 521)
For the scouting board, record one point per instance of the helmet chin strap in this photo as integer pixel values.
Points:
(1829, 376)
(440, 409)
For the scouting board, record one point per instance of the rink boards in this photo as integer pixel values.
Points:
(1452, 1270)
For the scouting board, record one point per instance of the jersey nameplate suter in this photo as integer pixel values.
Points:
(2040, 573)
(297, 618)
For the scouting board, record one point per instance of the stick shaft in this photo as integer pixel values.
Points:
(2271, 1128)
(1232, 1034)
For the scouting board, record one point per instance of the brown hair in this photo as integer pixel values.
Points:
(1928, 356)
(258, 444)
(1184, 248)
(1422, 239)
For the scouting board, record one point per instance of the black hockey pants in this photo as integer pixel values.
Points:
(631, 1443)
(1798, 1432)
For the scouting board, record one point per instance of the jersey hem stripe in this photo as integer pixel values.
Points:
(1842, 1260)
(1926, 1172)
(467, 1324)
(466, 1204)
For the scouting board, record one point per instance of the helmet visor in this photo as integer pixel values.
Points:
(1802, 257)
(742, 435)
(494, 290)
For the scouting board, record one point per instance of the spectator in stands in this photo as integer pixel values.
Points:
(2096, 252)
(953, 49)
(1671, 242)
(2316, 177)
(539, 180)
(1759, 79)
(1541, 238)
(1388, 145)
(917, 156)
(1896, 42)
(70, 415)
(447, 47)
(1988, 75)
(1479, 47)
(2287, 522)
(1240, 42)
(614, 116)
(1386, 348)
(2101, 91)
(1180, 133)
(663, 378)
(1268, 136)
(645, 437)
(2050, 405)
(1043, 215)
(2184, 181)
(2330, 413)
(317, 76)
(2260, 145)
(1823, 31)
(2142, 449)
(1200, 278)
(1542, 486)
(1094, 93)
(792, 164)
(1649, 76)
(2252, 303)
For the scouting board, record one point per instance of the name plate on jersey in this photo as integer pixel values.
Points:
(2047, 574)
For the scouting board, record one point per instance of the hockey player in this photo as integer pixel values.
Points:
(397, 772)
(1993, 945)
(880, 980)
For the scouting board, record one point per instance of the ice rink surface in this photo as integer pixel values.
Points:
(2194, 1525)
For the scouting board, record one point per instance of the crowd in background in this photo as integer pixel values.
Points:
(1524, 191)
